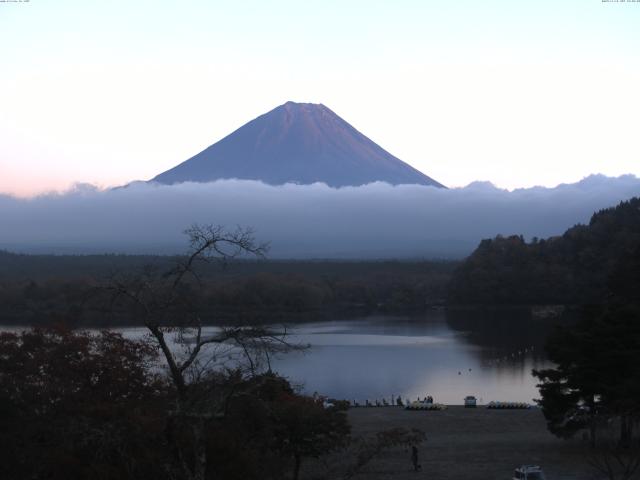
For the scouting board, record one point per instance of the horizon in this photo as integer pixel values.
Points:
(86, 187)
(519, 95)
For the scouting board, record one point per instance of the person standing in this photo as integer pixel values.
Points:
(414, 459)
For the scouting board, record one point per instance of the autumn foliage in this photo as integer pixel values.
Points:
(76, 405)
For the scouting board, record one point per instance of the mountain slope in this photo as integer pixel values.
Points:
(298, 143)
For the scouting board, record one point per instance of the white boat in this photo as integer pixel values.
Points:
(528, 472)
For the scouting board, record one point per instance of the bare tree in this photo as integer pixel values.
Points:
(616, 454)
(166, 304)
(617, 463)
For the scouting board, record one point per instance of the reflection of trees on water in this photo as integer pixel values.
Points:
(509, 338)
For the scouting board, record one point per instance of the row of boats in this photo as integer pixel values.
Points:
(490, 405)
(429, 404)
(509, 405)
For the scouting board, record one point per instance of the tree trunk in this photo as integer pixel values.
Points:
(192, 457)
(625, 431)
(199, 450)
(296, 467)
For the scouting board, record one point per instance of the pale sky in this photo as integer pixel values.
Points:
(516, 92)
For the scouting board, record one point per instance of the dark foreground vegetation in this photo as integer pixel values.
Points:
(77, 406)
(44, 289)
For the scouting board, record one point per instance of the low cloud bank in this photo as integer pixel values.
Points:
(303, 221)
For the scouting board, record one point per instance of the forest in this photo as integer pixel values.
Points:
(571, 269)
(47, 289)
(591, 386)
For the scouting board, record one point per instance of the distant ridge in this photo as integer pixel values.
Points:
(297, 143)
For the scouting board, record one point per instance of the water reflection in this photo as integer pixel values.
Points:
(444, 354)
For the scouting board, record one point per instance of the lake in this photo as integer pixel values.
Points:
(445, 354)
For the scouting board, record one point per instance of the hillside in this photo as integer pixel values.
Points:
(574, 268)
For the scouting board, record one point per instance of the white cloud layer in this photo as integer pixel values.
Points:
(303, 221)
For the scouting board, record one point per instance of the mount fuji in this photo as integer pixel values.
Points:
(301, 143)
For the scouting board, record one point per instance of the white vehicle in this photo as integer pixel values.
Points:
(470, 401)
(528, 472)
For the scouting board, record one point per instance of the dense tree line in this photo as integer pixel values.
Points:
(42, 290)
(571, 269)
(43, 267)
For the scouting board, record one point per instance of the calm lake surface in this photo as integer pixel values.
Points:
(447, 355)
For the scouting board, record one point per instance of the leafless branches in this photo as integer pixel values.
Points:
(614, 455)
(195, 357)
(214, 242)
(161, 300)
(615, 462)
